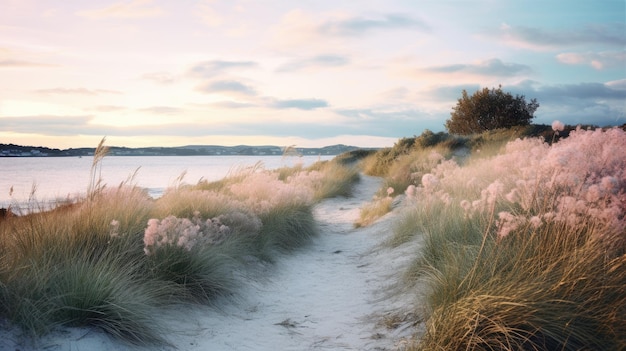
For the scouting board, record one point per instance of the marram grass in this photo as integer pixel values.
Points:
(530, 294)
(285, 228)
(524, 247)
(89, 264)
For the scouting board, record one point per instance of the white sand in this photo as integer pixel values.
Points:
(330, 295)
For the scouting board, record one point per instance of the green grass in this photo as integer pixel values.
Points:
(88, 287)
(201, 275)
(285, 228)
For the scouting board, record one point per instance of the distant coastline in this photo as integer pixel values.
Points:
(12, 150)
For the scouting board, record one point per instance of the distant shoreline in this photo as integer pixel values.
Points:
(12, 150)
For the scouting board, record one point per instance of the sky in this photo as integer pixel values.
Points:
(308, 73)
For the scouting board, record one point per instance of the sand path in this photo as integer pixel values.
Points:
(330, 295)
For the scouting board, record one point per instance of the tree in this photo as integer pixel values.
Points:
(490, 109)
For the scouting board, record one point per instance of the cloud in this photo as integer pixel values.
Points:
(493, 67)
(314, 33)
(21, 63)
(581, 91)
(125, 10)
(208, 14)
(76, 91)
(619, 84)
(597, 60)
(209, 69)
(451, 92)
(301, 104)
(159, 77)
(232, 104)
(314, 62)
(227, 86)
(538, 38)
(45, 124)
(162, 110)
(583, 103)
(391, 121)
(108, 108)
(356, 26)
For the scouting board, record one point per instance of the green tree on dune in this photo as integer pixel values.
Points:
(489, 109)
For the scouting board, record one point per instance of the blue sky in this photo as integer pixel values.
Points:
(284, 72)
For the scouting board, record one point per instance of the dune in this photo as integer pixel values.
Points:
(335, 294)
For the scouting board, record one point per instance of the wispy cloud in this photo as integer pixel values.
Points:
(314, 62)
(22, 63)
(227, 86)
(232, 104)
(76, 91)
(541, 38)
(492, 67)
(108, 108)
(45, 124)
(125, 10)
(301, 104)
(312, 32)
(206, 11)
(451, 92)
(162, 110)
(207, 69)
(356, 26)
(619, 84)
(597, 60)
(583, 103)
(390, 121)
(582, 91)
(159, 77)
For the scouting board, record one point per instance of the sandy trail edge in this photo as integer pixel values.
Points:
(330, 295)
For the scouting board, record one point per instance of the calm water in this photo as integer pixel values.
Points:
(60, 177)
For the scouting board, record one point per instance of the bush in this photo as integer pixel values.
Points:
(490, 109)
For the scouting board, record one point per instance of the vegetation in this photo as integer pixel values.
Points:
(116, 258)
(524, 245)
(522, 231)
(488, 110)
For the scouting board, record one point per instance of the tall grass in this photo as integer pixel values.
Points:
(53, 275)
(114, 259)
(524, 250)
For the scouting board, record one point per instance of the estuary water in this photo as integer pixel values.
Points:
(25, 181)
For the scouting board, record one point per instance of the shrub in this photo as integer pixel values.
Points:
(488, 110)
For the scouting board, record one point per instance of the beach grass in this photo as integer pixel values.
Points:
(116, 259)
(523, 245)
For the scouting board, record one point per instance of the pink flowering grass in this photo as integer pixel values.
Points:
(524, 249)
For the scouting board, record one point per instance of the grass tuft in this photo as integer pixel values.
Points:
(285, 228)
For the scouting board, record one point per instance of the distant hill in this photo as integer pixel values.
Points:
(12, 150)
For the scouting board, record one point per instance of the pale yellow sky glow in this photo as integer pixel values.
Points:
(165, 73)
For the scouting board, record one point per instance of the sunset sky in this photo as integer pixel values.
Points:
(284, 72)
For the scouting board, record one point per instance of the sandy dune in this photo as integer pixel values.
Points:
(330, 295)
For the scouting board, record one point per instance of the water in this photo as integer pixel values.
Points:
(57, 178)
